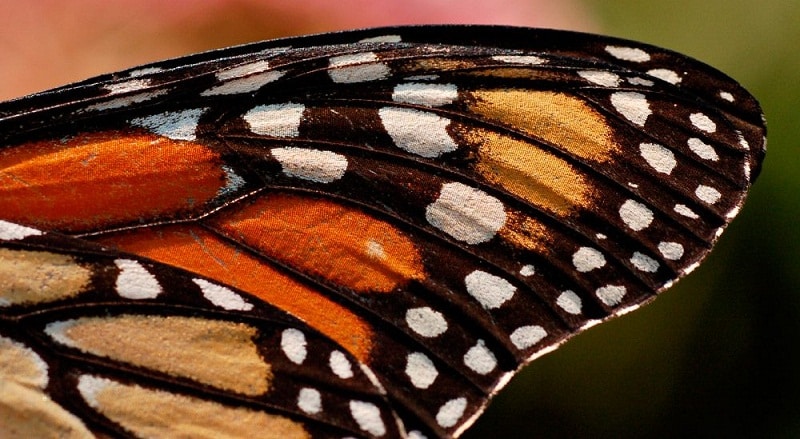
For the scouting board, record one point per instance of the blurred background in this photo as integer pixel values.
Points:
(716, 356)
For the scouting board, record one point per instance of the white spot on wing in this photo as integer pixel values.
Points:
(178, 125)
(644, 263)
(707, 194)
(368, 417)
(635, 215)
(130, 85)
(418, 132)
(665, 75)
(135, 282)
(658, 157)
(10, 231)
(358, 67)
(125, 101)
(89, 386)
(480, 359)
(426, 322)
(309, 400)
(702, 149)
(520, 59)
(527, 270)
(451, 412)
(13, 352)
(246, 84)
(632, 54)
(599, 77)
(686, 211)
(311, 164)
(429, 95)
(633, 106)
(611, 294)
(340, 365)
(569, 302)
(490, 290)
(293, 344)
(527, 336)
(382, 39)
(671, 250)
(467, 214)
(221, 296)
(587, 259)
(727, 96)
(703, 122)
(276, 120)
(420, 370)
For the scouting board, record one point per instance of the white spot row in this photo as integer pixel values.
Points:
(295, 346)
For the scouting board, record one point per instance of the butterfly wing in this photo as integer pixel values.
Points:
(438, 205)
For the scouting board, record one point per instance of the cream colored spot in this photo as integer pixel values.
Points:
(12, 232)
(527, 336)
(520, 59)
(27, 412)
(635, 215)
(587, 259)
(702, 149)
(658, 157)
(671, 250)
(465, 213)
(601, 78)
(311, 164)
(644, 263)
(247, 84)
(293, 344)
(727, 96)
(428, 95)
(480, 359)
(665, 75)
(48, 277)
(340, 365)
(135, 282)
(527, 270)
(451, 412)
(156, 413)
(358, 67)
(611, 295)
(703, 122)
(426, 322)
(20, 364)
(632, 54)
(420, 370)
(368, 417)
(276, 120)
(633, 106)
(216, 353)
(490, 290)
(419, 132)
(569, 302)
(707, 194)
(310, 401)
(177, 125)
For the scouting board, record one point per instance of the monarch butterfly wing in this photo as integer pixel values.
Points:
(444, 203)
(134, 346)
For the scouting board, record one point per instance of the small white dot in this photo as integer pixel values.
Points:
(309, 401)
(480, 359)
(358, 67)
(527, 336)
(611, 295)
(451, 412)
(601, 78)
(490, 290)
(520, 59)
(702, 149)
(644, 263)
(707, 194)
(601, 236)
(665, 75)
(420, 370)
(569, 302)
(587, 259)
(628, 53)
(686, 211)
(633, 106)
(658, 157)
(703, 122)
(428, 95)
(727, 96)
(635, 215)
(426, 322)
(671, 250)
(368, 417)
(293, 344)
(527, 270)
(221, 296)
(340, 365)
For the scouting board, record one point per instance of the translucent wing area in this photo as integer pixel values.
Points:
(437, 205)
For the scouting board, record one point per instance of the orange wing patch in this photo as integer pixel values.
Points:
(97, 179)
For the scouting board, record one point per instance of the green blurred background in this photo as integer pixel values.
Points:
(716, 356)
